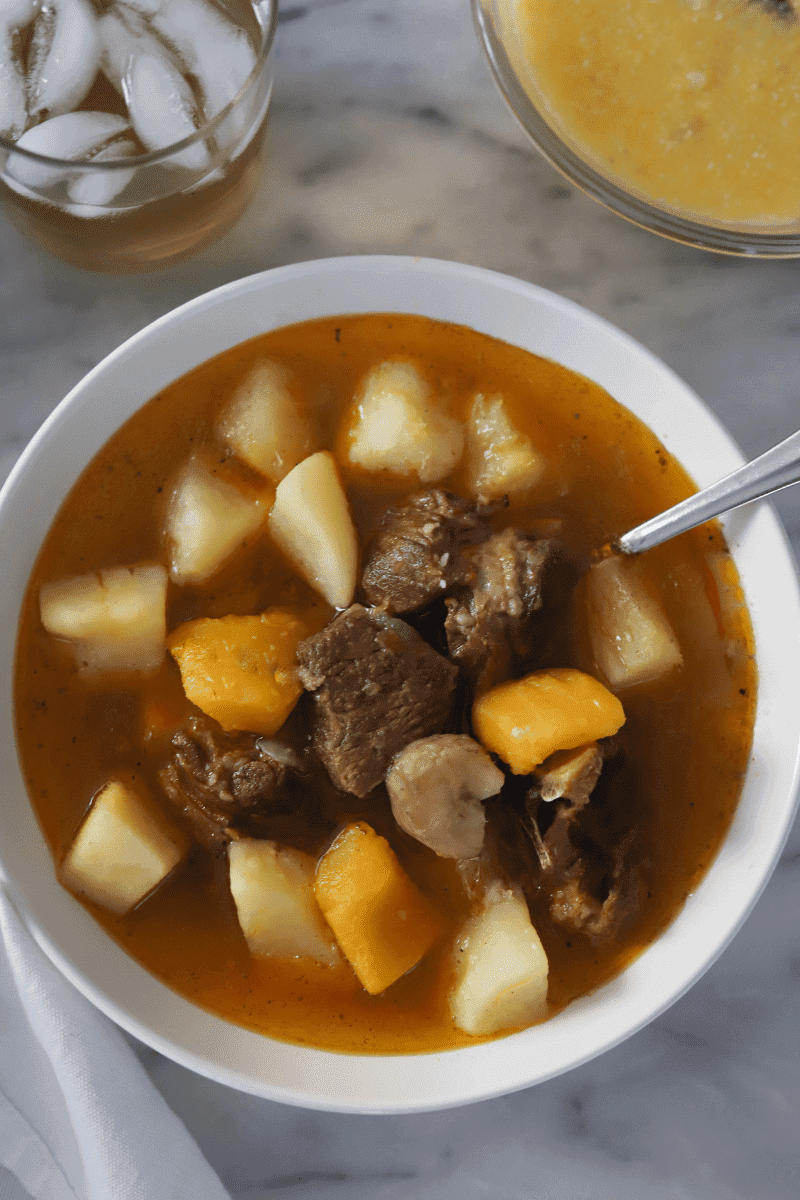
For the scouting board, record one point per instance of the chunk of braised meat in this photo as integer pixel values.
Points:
(376, 686)
(489, 618)
(416, 556)
(583, 858)
(576, 901)
(221, 780)
(569, 774)
(436, 786)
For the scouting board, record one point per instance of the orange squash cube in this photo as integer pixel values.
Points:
(242, 671)
(382, 922)
(526, 720)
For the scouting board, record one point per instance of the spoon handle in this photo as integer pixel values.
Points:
(776, 468)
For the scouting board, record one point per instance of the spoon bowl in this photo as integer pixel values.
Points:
(774, 469)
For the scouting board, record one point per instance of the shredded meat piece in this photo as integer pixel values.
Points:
(584, 862)
(592, 888)
(218, 779)
(417, 556)
(573, 903)
(569, 774)
(376, 687)
(488, 618)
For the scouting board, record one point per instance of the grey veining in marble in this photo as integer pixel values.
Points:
(387, 136)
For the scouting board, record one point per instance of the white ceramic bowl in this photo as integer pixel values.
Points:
(548, 325)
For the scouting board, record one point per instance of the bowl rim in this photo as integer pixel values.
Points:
(723, 238)
(301, 1075)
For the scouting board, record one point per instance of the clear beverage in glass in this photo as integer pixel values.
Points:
(132, 131)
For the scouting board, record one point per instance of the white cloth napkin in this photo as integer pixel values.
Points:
(79, 1117)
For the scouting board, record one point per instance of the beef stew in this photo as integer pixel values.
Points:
(597, 889)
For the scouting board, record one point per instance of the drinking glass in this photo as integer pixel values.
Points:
(106, 185)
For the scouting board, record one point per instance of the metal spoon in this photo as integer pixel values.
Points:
(775, 469)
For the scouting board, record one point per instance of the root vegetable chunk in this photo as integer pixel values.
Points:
(501, 968)
(311, 523)
(242, 671)
(500, 460)
(273, 889)
(382, 921)
(526, 720)
(114, 618)
(122, 850)
(208, 521)
(436, 786)
(400, 428)
(265, 425)
(631, 638)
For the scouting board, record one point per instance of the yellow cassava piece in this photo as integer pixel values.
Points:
(381, 920)
(242, 671)
(526, 720)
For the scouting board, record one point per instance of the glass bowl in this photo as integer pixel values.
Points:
(498, 32)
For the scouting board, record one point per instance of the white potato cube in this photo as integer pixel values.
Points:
(400, 428)
(114, 618)
(500, 460)
(265, 425)
(208, 521)
(121, 851)
(273, 889)
(311, 522)
(501, 967)
(632, 640)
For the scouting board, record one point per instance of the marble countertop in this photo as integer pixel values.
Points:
(387, 135)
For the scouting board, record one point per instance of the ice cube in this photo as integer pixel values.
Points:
(90, 212)
(16, 14)
(64, 57)
(13, 109)
(119, 46)
(146, 7)
(124, 37)
(218, 53)
(72, 136)
(98, 188)
(163, 111)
